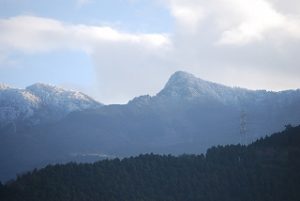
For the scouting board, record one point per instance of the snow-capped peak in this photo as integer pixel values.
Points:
(53, 94)
(183, 84)
(4, 86)
(40, 101)
(182, 75)
(43, 87)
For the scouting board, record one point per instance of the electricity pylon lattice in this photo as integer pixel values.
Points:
(243, 130)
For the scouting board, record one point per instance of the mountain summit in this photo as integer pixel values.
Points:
(65, 99)
(40, 102)
(187, 116)
(183, 84)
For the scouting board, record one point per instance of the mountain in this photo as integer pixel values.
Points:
(188, 115)
(40, 103)
(266, 170)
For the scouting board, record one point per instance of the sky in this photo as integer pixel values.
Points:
(115, 50)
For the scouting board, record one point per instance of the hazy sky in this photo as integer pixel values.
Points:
(115, 50)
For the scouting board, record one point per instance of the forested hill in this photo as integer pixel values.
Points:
(267, 170)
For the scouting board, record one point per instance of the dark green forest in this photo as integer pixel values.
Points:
(266, 170)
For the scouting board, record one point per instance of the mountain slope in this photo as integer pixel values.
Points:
(267, 170)
(40, 103)
(187, 116)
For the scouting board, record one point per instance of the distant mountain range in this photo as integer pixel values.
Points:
(40, 103)
(187, 116)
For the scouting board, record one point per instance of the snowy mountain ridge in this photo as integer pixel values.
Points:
(187, 116)
(183, 85)
(40, 102)
(68, 99)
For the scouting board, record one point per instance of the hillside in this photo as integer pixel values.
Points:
(38, 104)
(266, 170)
(186, 116)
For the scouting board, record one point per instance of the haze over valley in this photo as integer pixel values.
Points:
(44, 124)
(138, 100)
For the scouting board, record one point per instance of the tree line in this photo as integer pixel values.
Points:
(266, 170)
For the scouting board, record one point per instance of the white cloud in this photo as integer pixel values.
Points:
(257, 20)
(31, 34)
(121, 59)
(248, 43)
(187, 13)
(238, 22)
(34, 34)
(257, 17)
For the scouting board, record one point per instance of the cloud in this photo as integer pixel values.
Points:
(237, 22)
(188, 14)
(252, 26)
(257, 25)
(34, 34)
(247, 43)
(121, 59)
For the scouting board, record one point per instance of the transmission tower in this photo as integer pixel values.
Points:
(243, 131)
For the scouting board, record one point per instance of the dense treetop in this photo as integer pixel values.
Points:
(266, 170)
